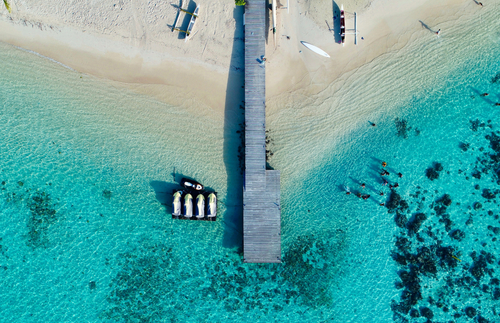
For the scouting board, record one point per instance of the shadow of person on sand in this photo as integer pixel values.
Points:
(427, 27)
(233, 138)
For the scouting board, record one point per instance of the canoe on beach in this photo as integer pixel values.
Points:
(315, 49)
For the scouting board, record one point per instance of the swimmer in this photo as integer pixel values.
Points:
(381, 193)
(400, 175)
(390, 186)
(497, 104)
(382, 204)
(366, 197)
(358, 194)
(347, 190)
(363, 185)
(485, 94)
(384, 164)
(385, 182)
(396, 185)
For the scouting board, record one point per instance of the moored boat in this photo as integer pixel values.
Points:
(177, 204)
(188, 205)
(194, 15)
(212, 205)
(190, 184)
(200, 206)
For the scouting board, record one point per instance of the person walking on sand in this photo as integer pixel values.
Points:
(479, 3)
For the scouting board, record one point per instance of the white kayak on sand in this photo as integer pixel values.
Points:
(315, 49)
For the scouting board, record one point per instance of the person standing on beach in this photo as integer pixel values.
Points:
(438, 32)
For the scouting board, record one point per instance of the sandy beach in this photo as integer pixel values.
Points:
(131, 43)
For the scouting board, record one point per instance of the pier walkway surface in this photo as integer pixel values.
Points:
(261, 190)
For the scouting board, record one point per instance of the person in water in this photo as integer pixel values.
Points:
(358, 194)
(366, 197)
(400, 175)
(347, 190)
(363, 185)
(485, 94)
(396, 185)
(381, 193)
(385, 182)
(382, 204)
(497, 104)
(384, 164)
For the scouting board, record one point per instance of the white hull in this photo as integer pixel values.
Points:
(315, 49)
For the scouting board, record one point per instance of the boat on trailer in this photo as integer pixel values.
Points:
(194, 15)
(192, 185)
(342, 25)
(177, 204)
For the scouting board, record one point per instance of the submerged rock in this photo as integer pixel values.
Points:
(488, 194)
(457, 234)
(426, 312)
(470, 311)
(401, 220)
(431, 173)
(416, 222)
(445, 200)
(478, 206)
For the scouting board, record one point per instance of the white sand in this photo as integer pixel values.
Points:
(131, 42)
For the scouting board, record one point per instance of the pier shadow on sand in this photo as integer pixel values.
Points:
(233, 149)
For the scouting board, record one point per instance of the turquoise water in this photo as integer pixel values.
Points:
(86, 167)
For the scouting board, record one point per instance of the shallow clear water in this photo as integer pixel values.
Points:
(86, 167)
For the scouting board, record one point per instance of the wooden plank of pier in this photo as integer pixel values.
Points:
(261, 195)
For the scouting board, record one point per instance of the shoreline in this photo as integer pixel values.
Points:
(176, 72)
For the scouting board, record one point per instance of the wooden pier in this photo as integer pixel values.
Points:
(261, 190)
